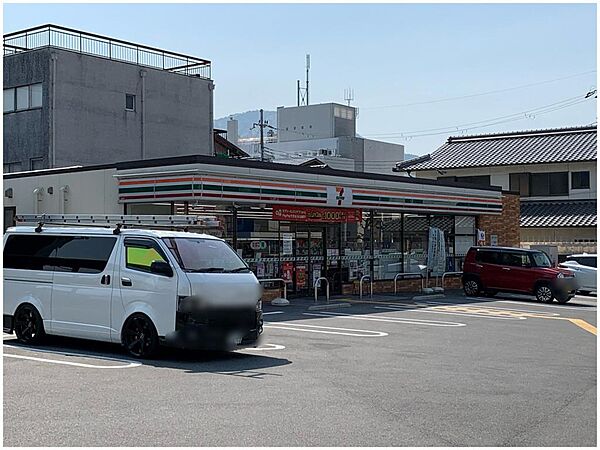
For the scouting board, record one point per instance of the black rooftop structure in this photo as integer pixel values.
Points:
(556, 145)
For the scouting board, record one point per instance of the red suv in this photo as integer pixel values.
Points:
(489, 270)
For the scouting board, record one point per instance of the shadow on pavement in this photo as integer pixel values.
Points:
(240, 364)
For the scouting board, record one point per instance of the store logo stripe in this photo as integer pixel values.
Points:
(406, 194)
(261, 183)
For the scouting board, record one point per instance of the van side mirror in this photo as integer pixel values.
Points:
(161, 268)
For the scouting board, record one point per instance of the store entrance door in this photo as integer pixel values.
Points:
(317, 255)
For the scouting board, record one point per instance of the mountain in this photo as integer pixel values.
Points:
(245, 121)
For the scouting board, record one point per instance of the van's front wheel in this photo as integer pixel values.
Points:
(140, 337)
(29, 326)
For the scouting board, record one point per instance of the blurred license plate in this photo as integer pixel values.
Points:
(236, 338)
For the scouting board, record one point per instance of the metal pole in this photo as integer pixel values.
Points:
(372, 246)
(402, 241)
(234, 226)
(262, 142)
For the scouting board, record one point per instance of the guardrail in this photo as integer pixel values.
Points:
(361, 285)
(403, 274)
(317, 287)
(272, 280)
(449, 273)
(106, 47)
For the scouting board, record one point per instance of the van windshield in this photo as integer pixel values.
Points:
(541, 259)
(205, 255)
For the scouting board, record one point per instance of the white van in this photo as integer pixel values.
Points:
(140, 288)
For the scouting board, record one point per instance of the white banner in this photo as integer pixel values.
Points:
(436, 252)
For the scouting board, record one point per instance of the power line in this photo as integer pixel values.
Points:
(530, 113)
(495, 91)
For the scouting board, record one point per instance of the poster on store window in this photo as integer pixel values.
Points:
(317, 274)
(260, 270)
(287, 269)
(287, 243)
(300, 277)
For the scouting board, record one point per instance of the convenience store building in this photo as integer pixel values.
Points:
(286, 221)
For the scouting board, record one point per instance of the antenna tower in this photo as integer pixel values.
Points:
(302, 92)
(349, 95)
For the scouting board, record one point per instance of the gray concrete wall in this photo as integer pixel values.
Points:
(26, 133)
(305, 122)
(93, 127)
(353, 148)
(380, 156)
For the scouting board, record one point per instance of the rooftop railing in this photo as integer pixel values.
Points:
(105, 47)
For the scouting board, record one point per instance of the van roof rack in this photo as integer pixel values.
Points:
(175, 222)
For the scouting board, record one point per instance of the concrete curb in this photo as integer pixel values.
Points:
(329, 306)
(280, 302)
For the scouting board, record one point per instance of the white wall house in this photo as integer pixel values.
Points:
(554, 171)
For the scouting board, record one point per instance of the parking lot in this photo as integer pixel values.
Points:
(450, 371)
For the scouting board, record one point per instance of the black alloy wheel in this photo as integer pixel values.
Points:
(472, 287)
(28, 325)
(140, 337)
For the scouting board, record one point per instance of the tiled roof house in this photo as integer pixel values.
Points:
(554, 170)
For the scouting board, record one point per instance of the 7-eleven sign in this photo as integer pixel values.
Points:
(339, 196)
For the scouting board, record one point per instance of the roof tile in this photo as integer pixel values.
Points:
(530, 147)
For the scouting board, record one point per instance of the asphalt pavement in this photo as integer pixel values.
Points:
(451, 371)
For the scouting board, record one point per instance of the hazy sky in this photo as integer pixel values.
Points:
(390, 54)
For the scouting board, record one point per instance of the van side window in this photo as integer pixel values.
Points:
(140, 253)
(83, 254)
(487, 257)
(30, 252)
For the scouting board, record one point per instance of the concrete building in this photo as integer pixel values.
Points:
(553, 170)
(325, 131)
(76, 98)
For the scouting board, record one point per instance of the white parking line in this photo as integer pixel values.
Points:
(449, 313)
(262, 348)
(326, 330)
(432, 323)
(129, 364)
(272, 312)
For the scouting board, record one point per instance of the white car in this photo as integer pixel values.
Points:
(584, 267)
(140, 288)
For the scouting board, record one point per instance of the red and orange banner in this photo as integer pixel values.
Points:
(309, 214)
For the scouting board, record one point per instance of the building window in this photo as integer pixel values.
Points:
(23, 98)
(35, 95)
(549, 184)
(13, 167)
(130, 102)
(479, 180)
(580, 180)
(36, 163)
(519, 182)
(9, 100)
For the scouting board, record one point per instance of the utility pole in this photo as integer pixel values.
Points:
(262, 124)
(262, 137)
